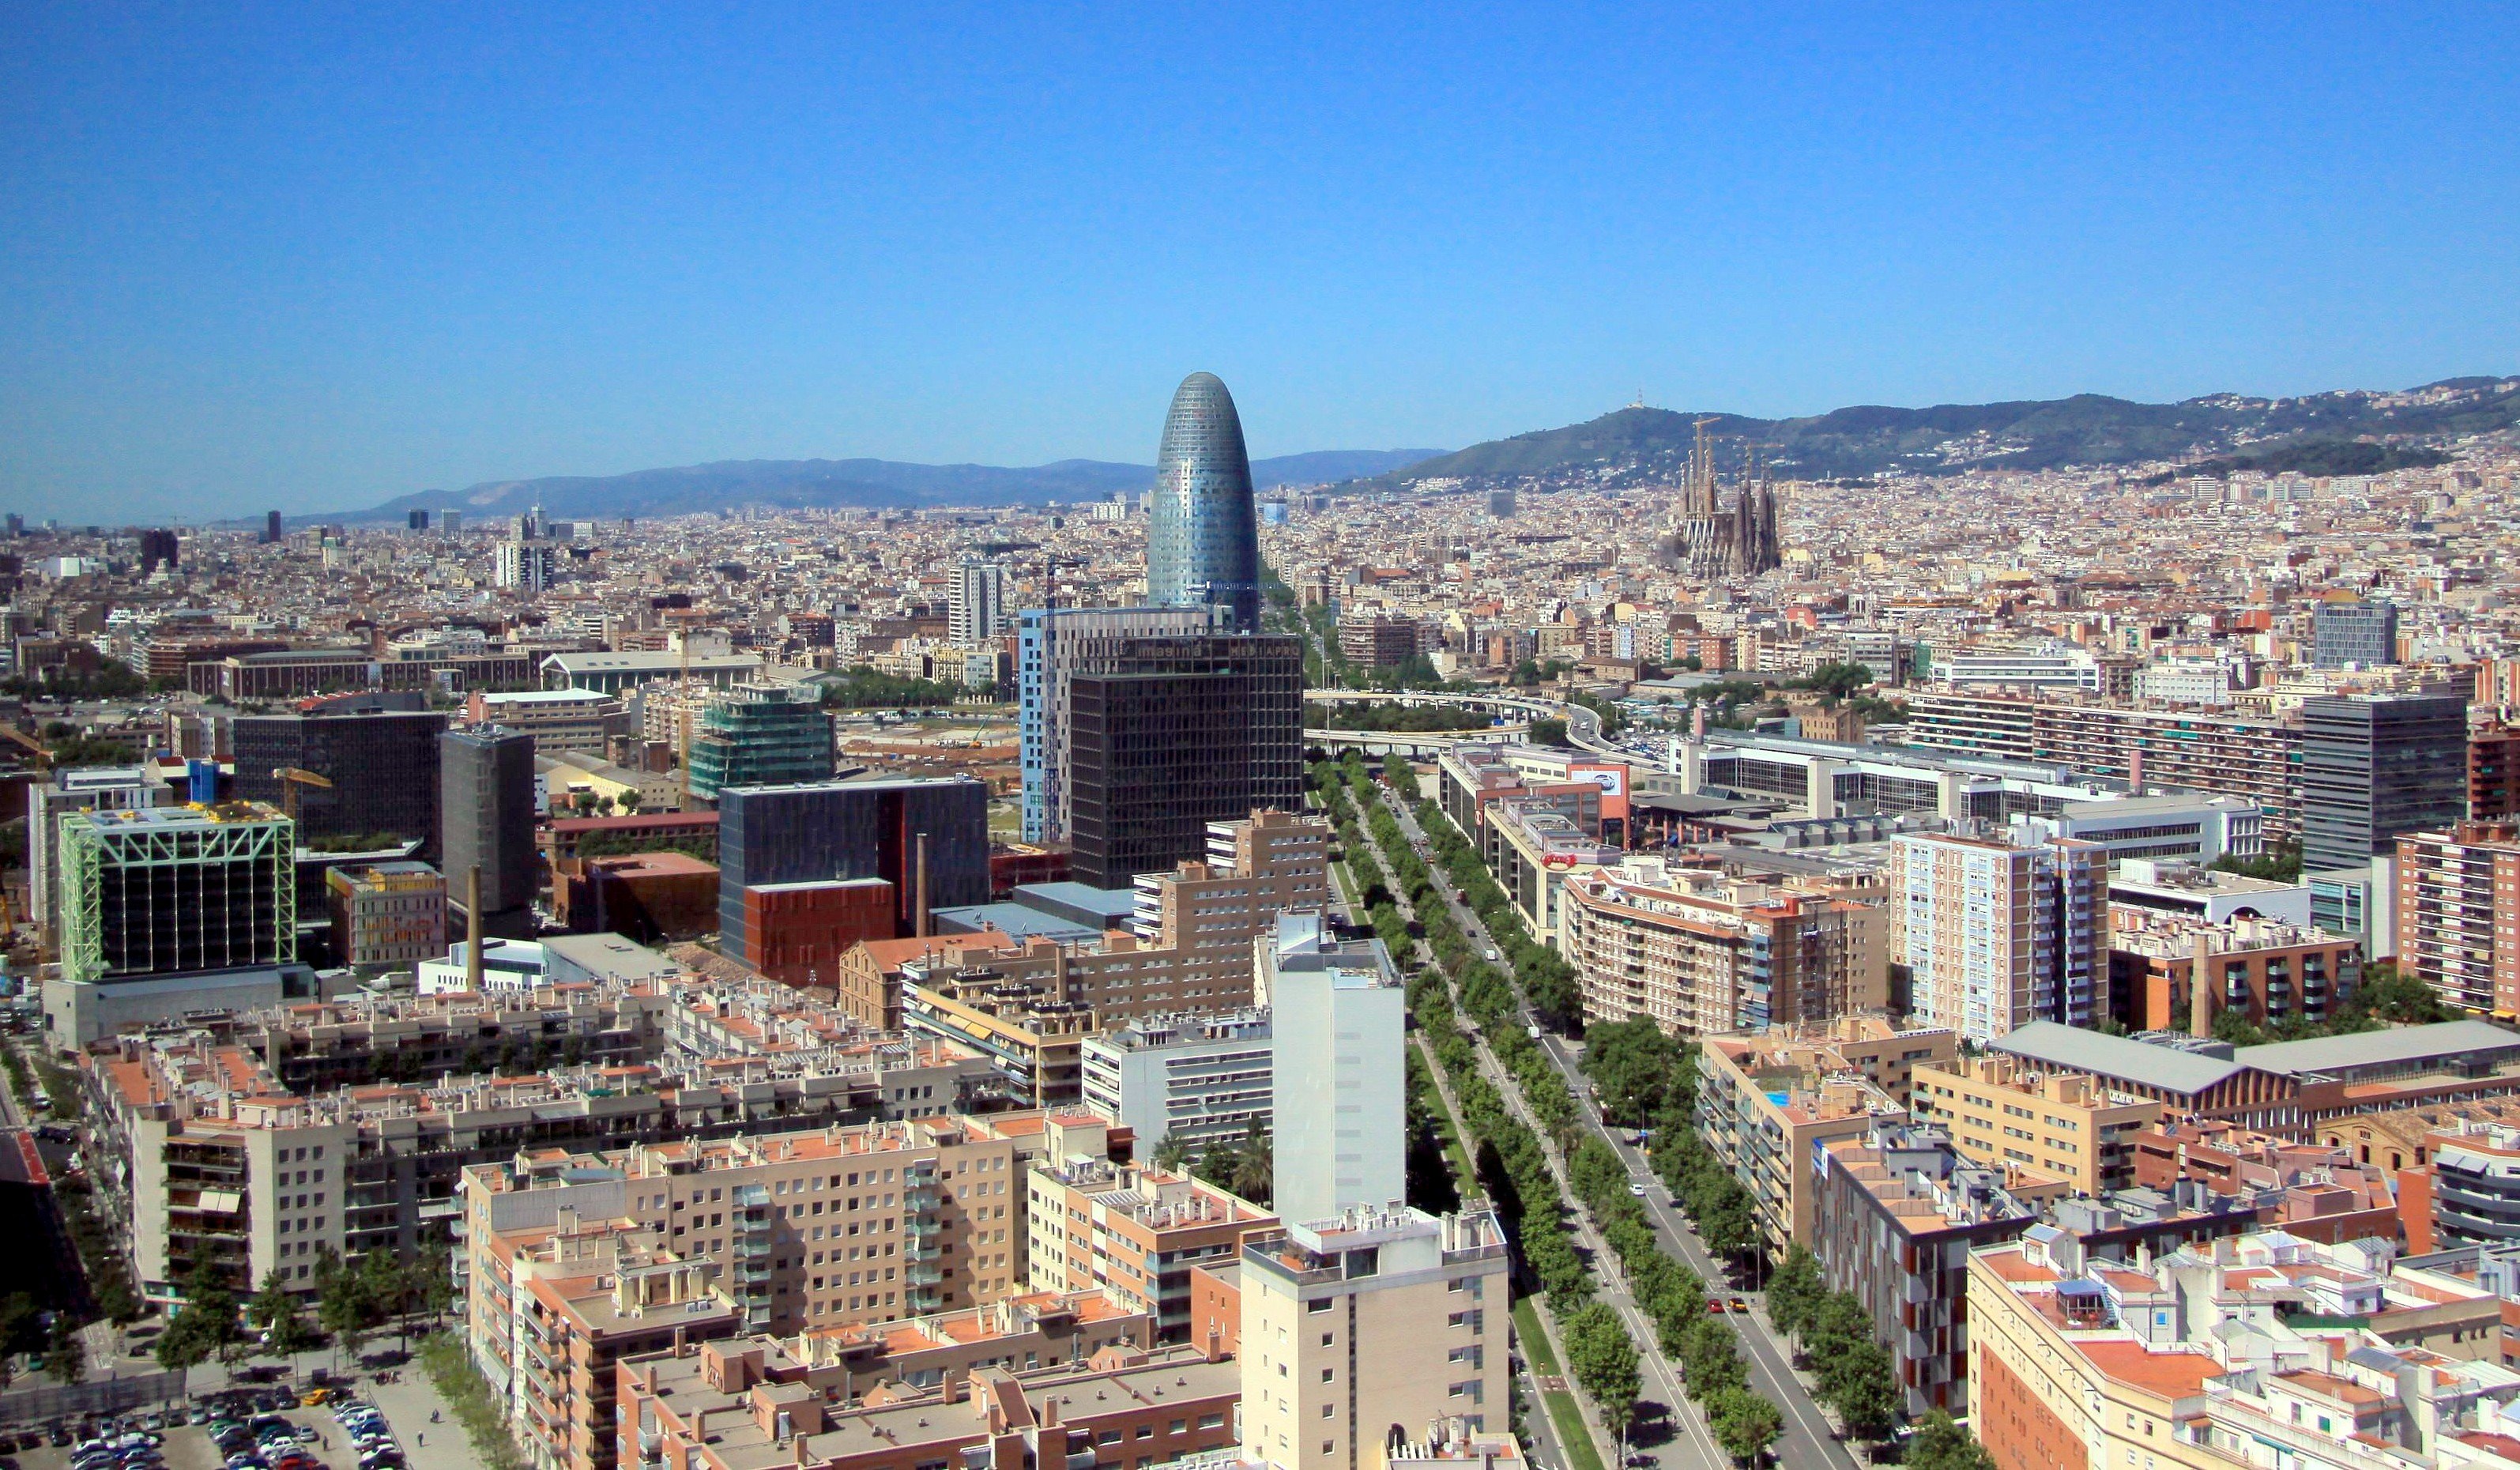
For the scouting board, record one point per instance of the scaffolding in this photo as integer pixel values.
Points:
(171, 890)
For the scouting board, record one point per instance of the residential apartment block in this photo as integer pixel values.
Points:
(1999, 1110)
(1135, 1232)
(1992, 936)
(2458, 901)
(1700, 952)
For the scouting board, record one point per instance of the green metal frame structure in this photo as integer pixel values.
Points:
(93, 846)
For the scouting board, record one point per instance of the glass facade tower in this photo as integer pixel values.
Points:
(1203, 534)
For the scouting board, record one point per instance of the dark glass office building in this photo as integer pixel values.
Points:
(2375, 766)
(487, 777)
(1174, 733)
(383, 768)
(853, 828)
(1203, 534)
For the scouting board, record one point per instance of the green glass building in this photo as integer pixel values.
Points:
(759, 734)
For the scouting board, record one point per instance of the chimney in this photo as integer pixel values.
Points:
(682, 1341)
(472, 929)
(918, 915)
(2200, 987)
(804, 1458)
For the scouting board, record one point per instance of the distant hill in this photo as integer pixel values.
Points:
(829, 483)
(2322, 434)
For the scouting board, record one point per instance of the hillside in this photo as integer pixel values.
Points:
(1650, 446)
(829, 483)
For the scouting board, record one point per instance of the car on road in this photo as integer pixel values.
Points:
(1638, 1190)
(1739, 1304)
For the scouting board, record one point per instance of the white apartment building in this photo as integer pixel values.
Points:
(1994, 935)
(1201, 1078)
(1340, 1078)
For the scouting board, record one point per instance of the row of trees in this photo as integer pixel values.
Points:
(1854, 1373)
(350, 1302)
(1510, 1160)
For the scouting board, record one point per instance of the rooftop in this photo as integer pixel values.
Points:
(2117, 1057)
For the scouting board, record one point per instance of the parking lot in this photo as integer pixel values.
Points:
(275, 1438)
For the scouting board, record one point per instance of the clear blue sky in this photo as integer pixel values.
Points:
(312, 258)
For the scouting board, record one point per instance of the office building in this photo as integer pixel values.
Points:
(561, 721)
(486, 787)
(621, 673)
(1202, 533)
(2353, 634)
(525, 568)
(2197, 829)
(158, 548)
(2374, 766)
(386, 913)
(1339, 1018)
(416, 521)
(1131, 1231)
(382, 766)
(1182, 732)
(2255, 758)
(2494, 770)
(1991, 936)
(1702, 953)
(270, 528)
(927, 837)
(1999, 1110)
(758, 734)
(1362, 1325)
(1899, 1209)
(1199, 1080)
(170, 910)
(800, 933)
(1767, 1099)
(1053, 647)
(2458, 906)
(976, 605)
(53, 797)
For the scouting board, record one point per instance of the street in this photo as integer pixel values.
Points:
(1807, 1439)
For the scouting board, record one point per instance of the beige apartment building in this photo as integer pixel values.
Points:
(873, 1223)
(1704, 953)
(1135, 1232)
(1379, 1318)
(1766, 1099)
(2003, 1109)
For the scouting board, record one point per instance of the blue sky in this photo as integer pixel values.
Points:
(315, 257)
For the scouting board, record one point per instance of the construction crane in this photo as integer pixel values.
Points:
(291, 778)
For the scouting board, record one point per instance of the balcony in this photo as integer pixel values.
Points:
(917, 1274)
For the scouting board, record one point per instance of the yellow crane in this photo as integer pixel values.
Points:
(291, 778)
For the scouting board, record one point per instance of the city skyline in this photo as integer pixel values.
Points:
(317, 265)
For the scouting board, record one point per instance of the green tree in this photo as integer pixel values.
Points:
(1793, 1289)
(1744, 1423)
(204, 1323)
(274, 1312)
(1172, 1155)
(1604, 1362)
(433, 1281)
(1941, 1443)
(1863, 1386)
(65, 1353)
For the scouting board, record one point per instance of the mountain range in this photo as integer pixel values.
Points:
(824, 483)
(2347, 431)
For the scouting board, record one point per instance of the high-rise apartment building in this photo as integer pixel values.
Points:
(1994, 935)
(383, 768)
(758, 734)
(2459, 904)
(1184, 732)
(1701, 953)
(2353, 634)
(526, 567)
(2374, 766)
(1367, 1323)
(1338, 1017)
(1053, 645)
(1202, 1078)
(927, 837)
(486, 791)
(1202, 533)
(977, 604)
